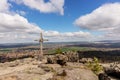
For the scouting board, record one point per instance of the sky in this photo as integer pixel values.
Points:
(59, 20)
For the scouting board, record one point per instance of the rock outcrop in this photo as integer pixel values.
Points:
(103, 76)
(57, 59)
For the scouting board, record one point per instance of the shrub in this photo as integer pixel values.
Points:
(95, 66)
(58, 51)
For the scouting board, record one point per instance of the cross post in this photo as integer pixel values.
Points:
(41, 40)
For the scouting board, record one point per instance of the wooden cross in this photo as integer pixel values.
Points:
(41, 40)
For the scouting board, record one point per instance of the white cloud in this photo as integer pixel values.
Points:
(68, 36)
(80, 34)
(4, 6)
(16, 23)
(106, 18)
(51, 33)
(14, 27)
(52, 6)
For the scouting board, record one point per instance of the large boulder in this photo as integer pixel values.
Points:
(72, 56)
(85, 60)
(51, 60)
(57, 59)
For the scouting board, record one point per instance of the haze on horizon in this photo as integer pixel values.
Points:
(59, 20)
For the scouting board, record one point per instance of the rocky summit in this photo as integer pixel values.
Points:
(32, 69)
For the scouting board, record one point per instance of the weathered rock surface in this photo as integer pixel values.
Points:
(75, 74)
(57, 59)
(103, 76)
(73, 71)
(62, 58)
(80, 74)
(29, 69)
(72, 56)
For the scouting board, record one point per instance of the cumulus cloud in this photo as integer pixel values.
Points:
(16, 28)
(103, 18)
(16, 23)
(4, 6)
(106, 18)
(68, 36)
(52, 6)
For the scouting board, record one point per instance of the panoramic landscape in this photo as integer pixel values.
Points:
(59, 40)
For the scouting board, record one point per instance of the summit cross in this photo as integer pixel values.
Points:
(41, 40)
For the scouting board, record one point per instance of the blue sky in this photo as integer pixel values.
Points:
(62, 23)
(61, 19)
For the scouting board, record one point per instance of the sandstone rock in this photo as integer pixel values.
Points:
(49, 67)
(13, 77)
(75, 74)
(72, 56)
(80, 74)
(61, 59)
(58, 58)
(103, 76)
(59, 76)
(85, 60)
(51, 60)
(36, 71)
